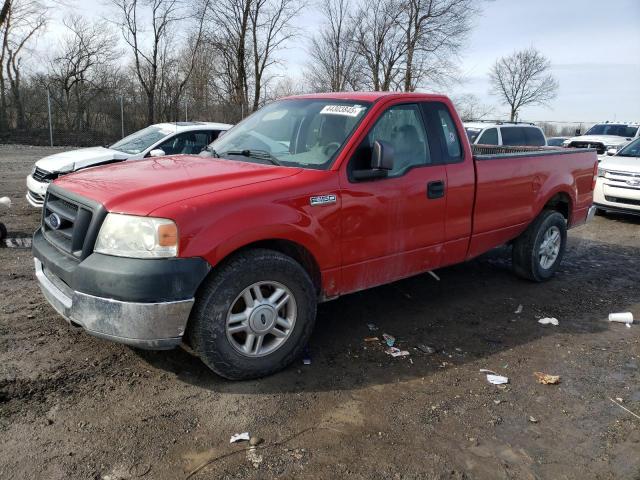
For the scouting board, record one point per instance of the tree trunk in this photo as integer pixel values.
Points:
(151, 110)
(514, 114)
(408, 75)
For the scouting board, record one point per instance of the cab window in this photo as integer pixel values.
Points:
(401, 127)
(513, 136)
(489, 137)
(187, 143)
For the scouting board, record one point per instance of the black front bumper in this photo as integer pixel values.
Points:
(141, 302)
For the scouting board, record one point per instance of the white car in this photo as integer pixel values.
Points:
(153, 141)
(618, 184)
(605, 136)
(505, 133)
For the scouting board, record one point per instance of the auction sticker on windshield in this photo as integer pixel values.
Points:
(346, 110)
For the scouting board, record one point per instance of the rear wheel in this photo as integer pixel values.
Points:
(537, 253)
(254, 316)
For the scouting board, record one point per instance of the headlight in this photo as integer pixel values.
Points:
(137, 237)
(601, 172)
(566, 143)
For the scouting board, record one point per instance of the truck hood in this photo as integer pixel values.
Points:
(621, 164)
(142, 186)
(604, 139)
(75, 159)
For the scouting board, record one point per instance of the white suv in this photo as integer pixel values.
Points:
(153, 141)
(618, 184)
(605, 136)
(505, 133)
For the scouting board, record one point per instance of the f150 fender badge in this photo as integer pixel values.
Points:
(322, 199)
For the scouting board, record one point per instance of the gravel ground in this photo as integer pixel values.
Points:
(73, 406)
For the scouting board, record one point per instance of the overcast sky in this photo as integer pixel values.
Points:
(594, 47)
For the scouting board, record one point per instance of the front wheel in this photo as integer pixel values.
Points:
(537, 253)
(254, 316)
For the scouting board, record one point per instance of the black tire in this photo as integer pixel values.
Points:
(206, 331)
(3, 231)
(526, 261)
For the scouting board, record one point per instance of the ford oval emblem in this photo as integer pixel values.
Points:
(54, 221)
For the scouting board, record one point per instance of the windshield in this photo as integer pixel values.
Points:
(299, 132)
(472, 133)
(142, 139)
(612, 129)
(631, 150)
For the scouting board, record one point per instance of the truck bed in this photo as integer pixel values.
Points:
(514, 183)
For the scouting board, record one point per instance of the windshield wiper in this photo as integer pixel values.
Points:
(257, 154)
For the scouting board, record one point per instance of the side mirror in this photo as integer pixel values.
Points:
(156, 152)
(381, 162)
(612, 151)
(577, 132)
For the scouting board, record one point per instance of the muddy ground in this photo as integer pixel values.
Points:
(73, 406)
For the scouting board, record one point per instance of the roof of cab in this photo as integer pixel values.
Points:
(363, 96)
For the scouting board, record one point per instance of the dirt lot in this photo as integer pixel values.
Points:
(73, 406)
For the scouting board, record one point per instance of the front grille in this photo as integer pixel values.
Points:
(623, 179)
(627, 201)
(65, 223)
(41, 175)
(597, 145)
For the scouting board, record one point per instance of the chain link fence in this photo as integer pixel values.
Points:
(60, 118)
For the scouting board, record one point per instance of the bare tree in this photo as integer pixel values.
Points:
(333, 52)
(24, 20)
(165, 16)
(379, 41)
(522, 79)
(470, 107)
(77, 68)
(434, 31)
(270, 30)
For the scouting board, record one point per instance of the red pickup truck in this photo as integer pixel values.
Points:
(310, 198)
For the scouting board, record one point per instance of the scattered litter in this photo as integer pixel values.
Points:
(372, 327)
(494, 378)
(547, 321)
(306, 356)
(426, 349)
(5, 202)
(546, 379)
(389, 339)
(619, 399)
(254, 457)
(240, 437)
(396, 352)
(410, 360)
(497, 402)
(518, 310)
(433, 274)
(626, 409)
(371, 339)
(533, 419)
(624, 317)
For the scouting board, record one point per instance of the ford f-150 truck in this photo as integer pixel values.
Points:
(310, 198)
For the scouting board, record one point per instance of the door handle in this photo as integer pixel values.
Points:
(435, 189)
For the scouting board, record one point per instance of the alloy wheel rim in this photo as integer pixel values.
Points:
(261, 319)
(550, 247)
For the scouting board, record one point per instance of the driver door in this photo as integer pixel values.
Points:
(393, 227)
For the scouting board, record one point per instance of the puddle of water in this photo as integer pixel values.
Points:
(18, 242)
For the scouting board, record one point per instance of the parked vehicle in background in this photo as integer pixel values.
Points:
(153, 141)
(555, 141)
(309, 198)
(504, 133)
(618, 185)
(605, 136)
